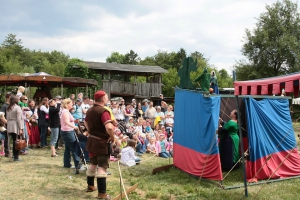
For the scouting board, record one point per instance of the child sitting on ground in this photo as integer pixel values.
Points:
(146, 142)
(148, 127)
(124, 139)
(151, 146)
(116, 152)
(162, 147)
(127, 155)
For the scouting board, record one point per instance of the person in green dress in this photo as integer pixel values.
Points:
(231, 128)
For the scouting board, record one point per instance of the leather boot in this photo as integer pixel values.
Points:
(91, 188)
(103, 196)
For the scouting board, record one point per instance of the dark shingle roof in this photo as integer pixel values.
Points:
(125, 67)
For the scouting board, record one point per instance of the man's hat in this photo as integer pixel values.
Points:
(79, 100)
(58, 97)
(99, 94)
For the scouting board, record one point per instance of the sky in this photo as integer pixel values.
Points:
(92, 29)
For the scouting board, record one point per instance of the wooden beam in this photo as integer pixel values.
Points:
(160, 169)
(131, 189)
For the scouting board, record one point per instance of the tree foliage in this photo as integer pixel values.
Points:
(115, 57)
(273, 47)
(170, 80)
(76, 68)
(15, 59)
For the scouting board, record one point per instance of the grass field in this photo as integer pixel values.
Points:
(40, 176)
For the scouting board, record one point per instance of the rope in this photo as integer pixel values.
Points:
(121, 180)
(225, 108)
(234, 165)
(269, 157)
(149, 158)
(275, 171)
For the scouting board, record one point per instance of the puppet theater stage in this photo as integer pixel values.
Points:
(267, 135)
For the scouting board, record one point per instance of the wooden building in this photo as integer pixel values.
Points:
(116, 79)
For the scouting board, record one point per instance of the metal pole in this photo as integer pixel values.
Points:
(242, 146)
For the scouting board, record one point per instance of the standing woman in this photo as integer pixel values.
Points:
(34, 138)
(139, 112)
(229, 154)
(68, 135)
(43, 112)
(54, 123)
(15, 122)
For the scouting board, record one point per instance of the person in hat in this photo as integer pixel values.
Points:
(101, 134)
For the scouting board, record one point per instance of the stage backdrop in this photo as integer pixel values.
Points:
(195, 141)
(271, 139)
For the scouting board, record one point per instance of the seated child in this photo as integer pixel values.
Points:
(171, 144)
(139, 145)
(128, 158)
(124, 139)
(130, 123)
(146, 142)
(116, 152)
(148, 127)
(162, 147)
(151, 146)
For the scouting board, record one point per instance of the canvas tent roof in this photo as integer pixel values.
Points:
(269, 86)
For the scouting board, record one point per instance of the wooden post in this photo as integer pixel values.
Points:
(62, 90)
(26, 92)
(86, 91)
(159, 81)
(134, 86)
(29, 93)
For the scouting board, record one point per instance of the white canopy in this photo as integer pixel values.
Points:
(296, 101)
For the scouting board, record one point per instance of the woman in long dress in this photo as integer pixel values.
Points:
(34, 138)
(230, 129)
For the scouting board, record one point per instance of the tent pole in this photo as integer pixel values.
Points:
(242, 145)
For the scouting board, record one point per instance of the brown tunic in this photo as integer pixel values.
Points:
(97, 141)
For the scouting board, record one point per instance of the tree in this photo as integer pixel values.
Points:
(115, 57)
(13, 46)
(150, 61)
(273, 47)
(224, 80)
(131, 58)
(76, 68)
(178, 58)
(170, 80)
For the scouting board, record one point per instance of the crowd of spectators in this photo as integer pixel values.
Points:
(140, 127)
